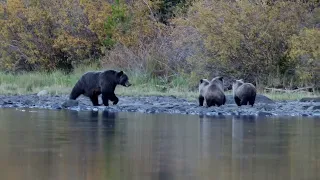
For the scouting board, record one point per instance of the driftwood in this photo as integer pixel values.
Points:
(289, 91)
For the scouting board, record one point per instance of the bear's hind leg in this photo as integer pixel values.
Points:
(219, 103)
(201, 99)
(105, 99)
(237, 100)
(94, 100)
(210, 102)
(244, 101)
(252, 100)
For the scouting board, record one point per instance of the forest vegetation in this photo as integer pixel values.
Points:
(271, 43)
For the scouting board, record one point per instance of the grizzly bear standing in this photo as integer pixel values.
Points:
(244, 93)
(92, 84)
(212, 92)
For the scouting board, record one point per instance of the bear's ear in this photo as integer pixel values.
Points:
(220, 78)
(120, 73)
(201, 80)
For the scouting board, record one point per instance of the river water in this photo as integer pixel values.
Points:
(70, 145)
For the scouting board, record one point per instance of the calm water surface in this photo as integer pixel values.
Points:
(69, 145)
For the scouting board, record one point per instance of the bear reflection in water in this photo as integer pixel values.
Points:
(97, 122)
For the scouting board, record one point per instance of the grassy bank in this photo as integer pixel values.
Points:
(57, 83)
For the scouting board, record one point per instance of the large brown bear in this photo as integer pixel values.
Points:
(244, 93)
(92, 84)
(212, 92)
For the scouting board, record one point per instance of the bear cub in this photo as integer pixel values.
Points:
(211, 92)
(92, 84)
(244, 93)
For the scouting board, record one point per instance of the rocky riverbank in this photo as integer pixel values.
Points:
(168, 104)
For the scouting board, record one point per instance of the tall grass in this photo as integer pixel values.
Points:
(58, 83)
(55, 83)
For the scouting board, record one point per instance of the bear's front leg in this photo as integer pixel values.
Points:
(201, 99)
(114, 98)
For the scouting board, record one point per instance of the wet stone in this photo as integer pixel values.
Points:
(310, 99)
(42, 93)
(7, 102)
(306, 107)
(151, 110)
(263, 113)
(316, 107)
(212, 114)
(70, 103)
(28, 102)
(56, 106)
(268, 108)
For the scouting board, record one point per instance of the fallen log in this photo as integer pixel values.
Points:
(304, 89)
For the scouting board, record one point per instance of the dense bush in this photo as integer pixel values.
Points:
(165, 10)
(305, 52)
(247, 40)
(265, 42)
(57, 34)
(45, 35)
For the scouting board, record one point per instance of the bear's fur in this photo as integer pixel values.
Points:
(92, 84)
(203, 83)
(244, 93)
(212, 92)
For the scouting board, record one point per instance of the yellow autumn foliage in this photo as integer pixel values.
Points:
(15, 6)
(44, 34)
(97, 12)
(305, 52)
(244, 39)
(255, 40)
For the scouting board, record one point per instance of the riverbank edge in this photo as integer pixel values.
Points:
(167, 104)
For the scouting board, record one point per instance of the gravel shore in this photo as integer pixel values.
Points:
(168, 104)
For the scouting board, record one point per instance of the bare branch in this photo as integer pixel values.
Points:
(153, 17)
(288, 91)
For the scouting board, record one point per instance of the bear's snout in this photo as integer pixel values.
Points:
(127, 84)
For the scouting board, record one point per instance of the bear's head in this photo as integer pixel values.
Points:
(203, 83)
(236, 84)
(218, 81)
(123, 79)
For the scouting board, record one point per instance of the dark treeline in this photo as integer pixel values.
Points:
(268, 42)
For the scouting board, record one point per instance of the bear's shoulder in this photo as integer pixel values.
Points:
(88, 73)
(108, 72)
